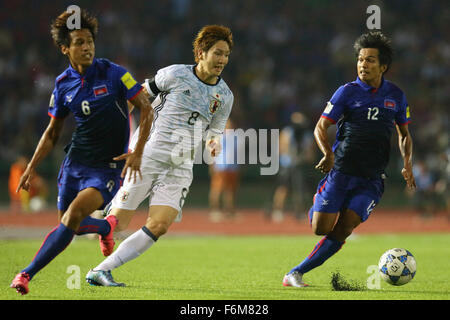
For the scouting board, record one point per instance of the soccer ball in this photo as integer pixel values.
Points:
(397, 266)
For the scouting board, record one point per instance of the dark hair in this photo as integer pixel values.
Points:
(209, 35)
(377, 40)
(61, 33)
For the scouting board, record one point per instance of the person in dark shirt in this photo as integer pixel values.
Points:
(366, 112)
(96, 92)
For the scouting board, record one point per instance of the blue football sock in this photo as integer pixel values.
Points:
(92, 225)
(54, 243)
(323, 250)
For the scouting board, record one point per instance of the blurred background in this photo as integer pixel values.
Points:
(289, 58)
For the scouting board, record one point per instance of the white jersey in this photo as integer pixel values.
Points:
(184, 108)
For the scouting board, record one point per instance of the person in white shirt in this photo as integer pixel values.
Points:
(192, 102)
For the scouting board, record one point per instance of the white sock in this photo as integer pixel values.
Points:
(131, 248)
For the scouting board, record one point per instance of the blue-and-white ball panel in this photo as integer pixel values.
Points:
(397, 266)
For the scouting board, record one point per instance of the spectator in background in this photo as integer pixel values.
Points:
(443, 183)
(26, 201)
(296, 147)
(224, 174)
(432, 186)
(16, 170)
(423, 197)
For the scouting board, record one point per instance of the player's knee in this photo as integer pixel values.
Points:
(346, 233)
(73, 217)
(323, 223)
(344, 228)
(320, 229)
(341, 233)
(158, 228)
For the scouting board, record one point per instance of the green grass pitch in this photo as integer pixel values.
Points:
(232, 268)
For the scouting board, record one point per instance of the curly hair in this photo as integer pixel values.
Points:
(377, 40)
(208, 36)
(61, 33)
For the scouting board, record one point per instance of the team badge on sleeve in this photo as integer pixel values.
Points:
(128, 80)
(408, 114)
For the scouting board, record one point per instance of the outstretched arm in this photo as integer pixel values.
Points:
(405, 145)
(321, 136)
(133, 160)
(46, 144)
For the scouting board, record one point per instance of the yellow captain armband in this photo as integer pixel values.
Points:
(128, 80)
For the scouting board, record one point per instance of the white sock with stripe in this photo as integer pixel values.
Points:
(131, 248)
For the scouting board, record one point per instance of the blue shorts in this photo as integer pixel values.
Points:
(74, 177)
(341, 191)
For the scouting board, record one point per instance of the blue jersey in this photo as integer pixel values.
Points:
(98, 101)
(365, 118)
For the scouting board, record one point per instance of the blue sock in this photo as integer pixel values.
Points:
(92, 225)
(323, 250)
(54, 243)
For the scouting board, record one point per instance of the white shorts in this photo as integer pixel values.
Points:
(162, 183)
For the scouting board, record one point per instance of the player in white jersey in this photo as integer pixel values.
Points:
(192, 103)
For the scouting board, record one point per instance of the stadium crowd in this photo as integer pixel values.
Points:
(288, 56)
